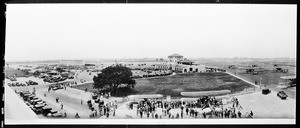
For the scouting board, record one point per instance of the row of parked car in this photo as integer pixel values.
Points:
(17, 84)
(38, 105)
(54, 79)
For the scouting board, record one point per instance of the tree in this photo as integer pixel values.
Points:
(60, 70)
(114, 76)
(36, 73)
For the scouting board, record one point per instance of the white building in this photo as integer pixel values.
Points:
(178, 64)
(72, 62)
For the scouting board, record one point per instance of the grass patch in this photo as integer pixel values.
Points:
(174, 85)
(11, 72)
(190, 82)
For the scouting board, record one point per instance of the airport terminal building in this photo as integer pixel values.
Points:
(179, 64)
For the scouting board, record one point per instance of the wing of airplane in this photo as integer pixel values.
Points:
(292, 80)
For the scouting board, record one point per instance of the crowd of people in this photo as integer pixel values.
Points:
(205, 107)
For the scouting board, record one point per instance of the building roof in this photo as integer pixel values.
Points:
(175, 55)
(186, 61)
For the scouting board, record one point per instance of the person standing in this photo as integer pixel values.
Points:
(187, 111)
(251, 114)
(57, 99)
(33, 92)
(116, 104)
(107, 114)
(114, 112)
(148, 113)
(104, 110)
(239, 114)
(65, 113)
(62, 105)
(141, 113)
(204, 115)
(77, 115)
(181, 114)
(196, 114)
(152, 114)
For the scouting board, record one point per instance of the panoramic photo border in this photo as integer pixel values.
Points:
(150, 121)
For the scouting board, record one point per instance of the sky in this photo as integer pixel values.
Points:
(104, 31)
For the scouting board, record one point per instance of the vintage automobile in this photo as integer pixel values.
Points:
(70, 77)
(46, 110)
(57, 114)
(56, 87)
(13, 79)
(31, 97)
(282, 95)
(35, 101)
(94, 96)
(25, 96)
(38, 108)
(22, 93)
(30, 82)
(266, 91)
(53, 111)
(49, 80)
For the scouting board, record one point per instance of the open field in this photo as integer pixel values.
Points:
(272, 80)
(173, 85)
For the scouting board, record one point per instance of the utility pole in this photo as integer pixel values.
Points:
(260, 82)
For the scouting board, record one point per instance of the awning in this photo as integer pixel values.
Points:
(150, 96)
(205, 93)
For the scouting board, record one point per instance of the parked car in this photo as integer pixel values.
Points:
(56, 87)
(266, 91)
(30, 82)
(35, 101)
(46, 110)
(38, 108)
(58, 114)
(282, 95)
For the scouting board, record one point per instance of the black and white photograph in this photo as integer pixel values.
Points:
(150, 63)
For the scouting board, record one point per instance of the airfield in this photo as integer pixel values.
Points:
(250, 97)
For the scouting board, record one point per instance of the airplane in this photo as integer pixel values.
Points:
(290, 80)
(276, 68)
(253, 69)
(232, 66)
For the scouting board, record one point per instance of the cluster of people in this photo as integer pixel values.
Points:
(103, 109)
(147, 107)
(194, 109)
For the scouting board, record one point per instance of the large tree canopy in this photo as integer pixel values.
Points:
(113, 76)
